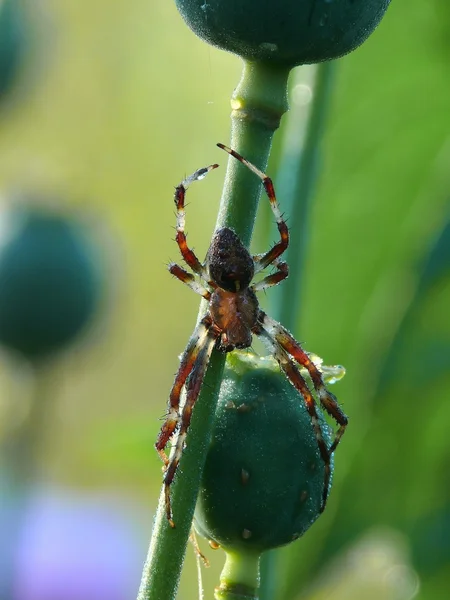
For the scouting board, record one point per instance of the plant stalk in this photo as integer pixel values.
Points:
(19, 463)
(296, 185)
(239, 579)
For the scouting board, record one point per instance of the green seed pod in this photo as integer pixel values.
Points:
(263, 481)
(287, 32)
(12, 42)
(49, 281)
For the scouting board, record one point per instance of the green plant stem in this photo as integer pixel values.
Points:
(296, 184)
(258, 103)
(239, 579)
(269, 575)
(19, 462)
(298, 177)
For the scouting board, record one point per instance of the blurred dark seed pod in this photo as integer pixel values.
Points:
(287, 32)
(12, 42)
(50, 280)
(263, 481)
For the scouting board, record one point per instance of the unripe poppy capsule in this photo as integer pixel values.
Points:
(263, 481)
(50, 280)
(287, 32)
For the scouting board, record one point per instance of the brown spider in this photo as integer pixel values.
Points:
(233, 316)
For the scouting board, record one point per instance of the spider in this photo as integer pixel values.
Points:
(232, 318)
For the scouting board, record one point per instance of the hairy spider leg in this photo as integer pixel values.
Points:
(292, 372)
(179, 198)
(292, 347)
(189, 280)
(193, 387)
(273, 278)
(188, 359)
(278, 248)
(198, 553)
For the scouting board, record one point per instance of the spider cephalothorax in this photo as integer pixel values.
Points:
(232, 318)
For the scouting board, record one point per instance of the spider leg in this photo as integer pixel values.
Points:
(189, 280)
(194, 347)
(273, 278)
(193, 387)
(292, 347)
(280, 246)
(180, 194)
(293, 374)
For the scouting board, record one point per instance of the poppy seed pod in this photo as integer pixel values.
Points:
(12, 42)
(287, 32)
(263, 481)
(50, 281)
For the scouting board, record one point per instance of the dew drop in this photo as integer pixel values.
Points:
(302, 94)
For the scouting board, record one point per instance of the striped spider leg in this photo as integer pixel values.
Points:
(195, 358)
(288, 353)
(191, 373)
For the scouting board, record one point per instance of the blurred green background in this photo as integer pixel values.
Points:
(113, 104)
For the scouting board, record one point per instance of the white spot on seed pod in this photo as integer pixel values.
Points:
(245, 476)
(268, 46)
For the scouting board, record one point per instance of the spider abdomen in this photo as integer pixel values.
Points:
(229, 262)
(234, 314)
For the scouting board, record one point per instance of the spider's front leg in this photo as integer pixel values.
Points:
(179, 199)
(193, 387)
(292, 347)
(277, 250)
(188, 359)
